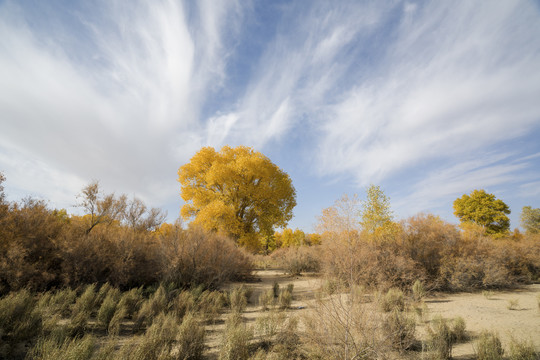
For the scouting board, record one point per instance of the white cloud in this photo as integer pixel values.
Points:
(450, 86)
(127, 114)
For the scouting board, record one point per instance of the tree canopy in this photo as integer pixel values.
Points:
(530, 219)
(485, 210)
(237, 191)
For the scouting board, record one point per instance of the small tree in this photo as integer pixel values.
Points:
(485, 210)
(377, 219)
(530, 220)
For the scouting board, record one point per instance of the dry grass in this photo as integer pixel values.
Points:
(488, 346)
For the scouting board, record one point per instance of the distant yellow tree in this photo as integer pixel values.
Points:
(530, 220)
(377, 219)
(485, 210)
(238, 192)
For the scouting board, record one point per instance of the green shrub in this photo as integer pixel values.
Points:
(86, 302)
(68, 349)
(440, 339)
(488, 346)
(400, 330)
(235, 341)
(522, 350)
(393, 299)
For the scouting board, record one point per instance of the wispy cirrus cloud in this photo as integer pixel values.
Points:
(413, 95)
(457, 79)
(124, 105)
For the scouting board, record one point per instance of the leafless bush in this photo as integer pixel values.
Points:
(341, 328)
(194, 256)
(297, 259)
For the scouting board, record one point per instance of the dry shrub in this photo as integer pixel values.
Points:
(522, 350)
(285, 299)
(341, 328)
(269, 325)
(210, 304)
(235, 339)
(67, 349)
(488, 346)
(440, 339)
(29, 252)
(424, 239)
(418, 291)
(156, 343)
(513, 304)
(238, 299)
(151, 308)
(266, 299)
(111, 254)
(353, 258)
(194, 256)
(189, 339)
(114, 325)
(131, 301)
(108, 308)
(183, 303)
(297, 259)
(459, 332)
(394, 299)
(400, 329)
(20, 320)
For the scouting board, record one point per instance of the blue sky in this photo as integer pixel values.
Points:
(428, 99)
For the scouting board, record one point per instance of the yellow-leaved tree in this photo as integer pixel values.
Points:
(377, 219)
(236, 191)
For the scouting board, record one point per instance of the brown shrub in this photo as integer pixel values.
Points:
(297, 259)
(194, 256)
(29, 256)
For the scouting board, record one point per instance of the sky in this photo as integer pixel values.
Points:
(427, 99)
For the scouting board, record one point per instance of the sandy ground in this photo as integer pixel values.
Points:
(492, 313)
(480, 312)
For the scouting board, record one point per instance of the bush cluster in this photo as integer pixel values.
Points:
(43, 249)
(436, 253)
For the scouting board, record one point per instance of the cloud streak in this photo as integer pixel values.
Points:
(428, 98)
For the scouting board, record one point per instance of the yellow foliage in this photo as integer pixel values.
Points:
(238, 192)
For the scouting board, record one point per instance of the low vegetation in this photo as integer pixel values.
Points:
(117, 283)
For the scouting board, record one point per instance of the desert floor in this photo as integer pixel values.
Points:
(481, 311)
